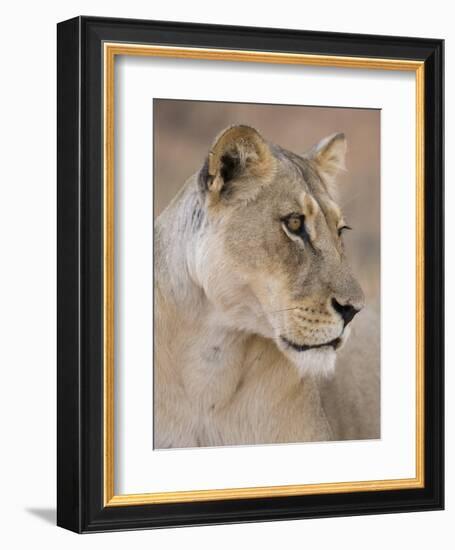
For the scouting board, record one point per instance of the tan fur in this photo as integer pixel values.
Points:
(233, 286)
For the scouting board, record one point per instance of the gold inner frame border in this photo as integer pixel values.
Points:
(110, 51)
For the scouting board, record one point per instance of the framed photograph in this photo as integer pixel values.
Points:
(250, 274)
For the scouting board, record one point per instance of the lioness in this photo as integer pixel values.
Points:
(253, 295)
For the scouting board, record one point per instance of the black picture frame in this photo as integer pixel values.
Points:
(80, 476)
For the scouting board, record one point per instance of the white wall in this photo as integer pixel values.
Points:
(27, 289)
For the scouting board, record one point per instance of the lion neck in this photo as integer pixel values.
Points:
(176, 235)
(183, 311)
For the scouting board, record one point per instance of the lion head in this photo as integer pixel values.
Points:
(270, 254)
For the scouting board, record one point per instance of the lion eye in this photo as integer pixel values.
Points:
(294, 223)
(343, 228)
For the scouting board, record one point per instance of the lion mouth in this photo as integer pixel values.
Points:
(303, 347)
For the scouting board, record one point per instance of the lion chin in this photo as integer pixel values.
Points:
(317, 362)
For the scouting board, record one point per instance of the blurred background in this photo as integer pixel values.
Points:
(185, 130)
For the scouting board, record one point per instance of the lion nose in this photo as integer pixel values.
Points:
(347, 311)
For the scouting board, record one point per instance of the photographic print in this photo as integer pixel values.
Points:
(266, 274)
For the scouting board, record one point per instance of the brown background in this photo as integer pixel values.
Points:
(185, 130)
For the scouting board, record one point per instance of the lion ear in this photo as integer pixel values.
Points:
(330, 157)
(238, 164)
